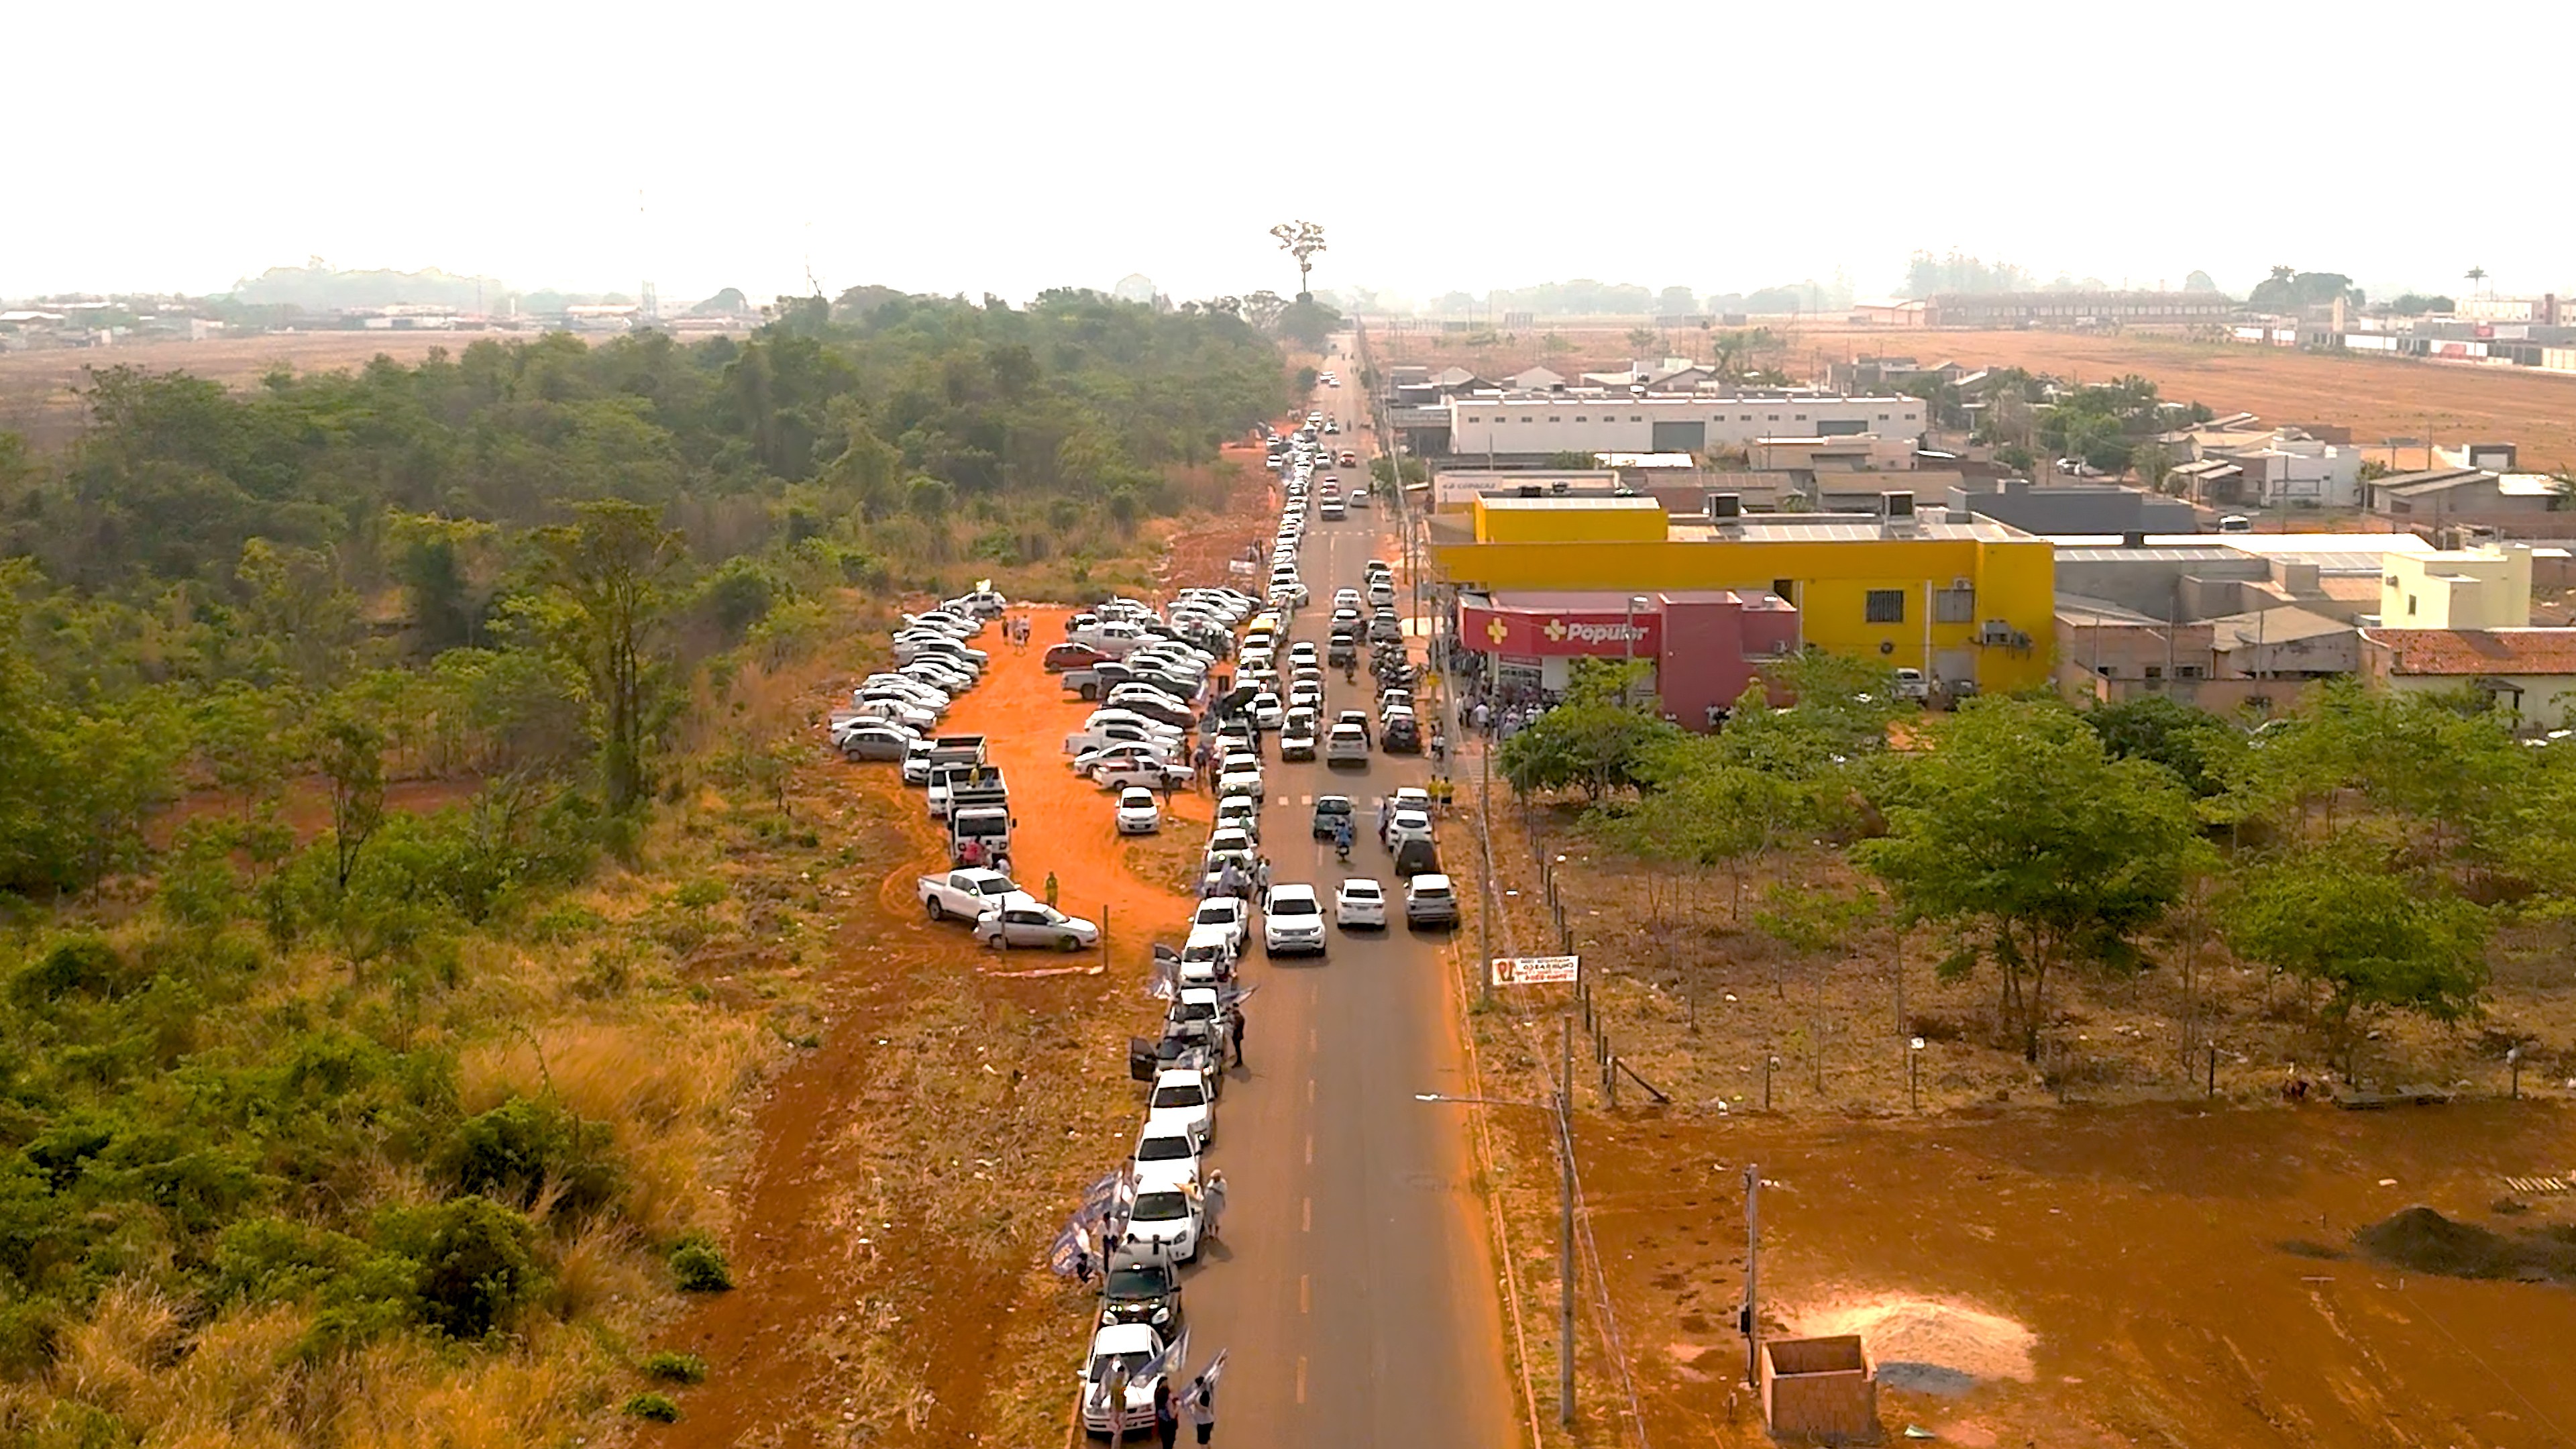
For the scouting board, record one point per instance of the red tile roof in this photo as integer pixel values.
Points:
(2477, 651)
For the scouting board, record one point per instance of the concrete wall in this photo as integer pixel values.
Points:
(1548, 520)
(1830, 581)
(1562, 424)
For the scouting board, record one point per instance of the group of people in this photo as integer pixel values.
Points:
(1015, 632)
(1198, 1401)
(1233, 879)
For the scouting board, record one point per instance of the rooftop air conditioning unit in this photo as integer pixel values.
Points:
(1896, 514)
(1723, 507)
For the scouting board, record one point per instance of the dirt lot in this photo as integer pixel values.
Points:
(37, 396)
(2375, 398)
(911, 1169)
(1967, 1239)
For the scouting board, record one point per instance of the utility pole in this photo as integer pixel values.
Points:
(1753, 1274)
(1565, 1265)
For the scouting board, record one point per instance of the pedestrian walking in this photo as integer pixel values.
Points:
(1167, 1418)
(1050, 889)
(1385, 817)
(1261, 879)
(1201, 1397)
(1212, 1201)
(1236, 1027)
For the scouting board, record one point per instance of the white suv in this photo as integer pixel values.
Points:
(1292, 922)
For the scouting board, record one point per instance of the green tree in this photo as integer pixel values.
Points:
(605, 574)
(350, 753)
(2372, 939)
(2192, 743)
(1592, 739)
(2021, 831)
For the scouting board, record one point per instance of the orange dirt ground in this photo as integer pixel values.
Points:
(2376, 398)
(817, 1287)
(2184, 1277)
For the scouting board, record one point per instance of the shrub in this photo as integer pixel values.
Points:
(512, 1151)
(474, 1261)
(675, 1368)
(656, 1407)
(699, 1265)
(86, 965)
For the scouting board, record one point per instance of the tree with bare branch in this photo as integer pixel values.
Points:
(1300, 239)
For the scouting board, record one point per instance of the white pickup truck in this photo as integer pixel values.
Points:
(964, 894)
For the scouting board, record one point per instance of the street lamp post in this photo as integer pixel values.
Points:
(1560, 1105)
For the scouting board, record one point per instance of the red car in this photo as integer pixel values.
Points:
(1350, 459)
(1061, 657)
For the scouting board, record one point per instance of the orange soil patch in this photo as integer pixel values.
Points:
(2377, 398)
(2132, 1275)
(819, 1281)
(305, 805)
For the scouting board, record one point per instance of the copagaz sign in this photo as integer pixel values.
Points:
(1536, 970)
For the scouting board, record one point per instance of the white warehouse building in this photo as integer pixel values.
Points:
(1539, 424)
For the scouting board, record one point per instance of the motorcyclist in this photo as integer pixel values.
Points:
(1342, 837)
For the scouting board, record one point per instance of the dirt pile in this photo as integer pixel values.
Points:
(2423, 1241)
(1929, 1345)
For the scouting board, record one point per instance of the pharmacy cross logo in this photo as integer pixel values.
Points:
(1497, 630)
(1555, 631)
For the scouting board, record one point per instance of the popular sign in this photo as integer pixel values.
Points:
(1536, 970)
(1532, 631)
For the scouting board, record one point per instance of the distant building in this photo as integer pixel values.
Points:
(2529, 672)
(2074, 309)
(2073, 507)
(1134, 287)
(2480, 588)
(1536, 425)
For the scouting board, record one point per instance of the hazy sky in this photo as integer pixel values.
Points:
(1006, 147)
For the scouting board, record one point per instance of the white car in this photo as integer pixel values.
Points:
(1242, 776)
(1138, 812)
(1090, 762)
(1024, 922)
(1233, 845)
(1292, 922)
(1297, 736)
(1407, 825)
(1126, 1347)
(1240, 812)
(1267, 711)
(1163, 1222)
(1156, 1146)
(1306, 694)
(1225, 913)
(1359, 903)
(1181, 1103)
(1347, 742)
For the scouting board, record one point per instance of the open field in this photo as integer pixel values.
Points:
(38, 389)
(2375, 398)
(2087, 1250)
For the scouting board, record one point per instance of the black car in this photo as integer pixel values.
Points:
(1330, 812)
(1401, 737)
(1383, 630)
(1342, 651)
(1144, 1293)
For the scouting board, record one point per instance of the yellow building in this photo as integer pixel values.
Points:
(1972, 601)
(2469, 588)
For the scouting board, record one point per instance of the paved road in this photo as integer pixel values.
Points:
(1354, 1286)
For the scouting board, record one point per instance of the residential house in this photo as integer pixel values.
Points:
(1535, 379)
(2433, 498)
(2529, 672)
